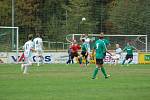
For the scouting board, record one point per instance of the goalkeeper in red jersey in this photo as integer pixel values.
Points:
(74, 50)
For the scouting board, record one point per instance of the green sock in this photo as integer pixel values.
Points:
(123, 62)
(103, 71)
(80, 60)
(95, 72)
(129, 61)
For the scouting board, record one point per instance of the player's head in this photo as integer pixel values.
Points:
(128, 44)
(30, 36)
(74, 41)
(38, 35)
(83, 40)
(117, 45)
(85, 35)
(101, 35)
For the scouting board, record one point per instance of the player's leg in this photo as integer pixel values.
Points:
(27, 64)
(69, 59)
(41, 56)
(117, 59)
(88, 50)
(103, 69)
(22, 65)
(131, 59)
(72, 60)
(37, 58)
(88, 55)
(99, 65)
(79, 58)
(126, 58)
(86, 59)
(96, 69)
(72, 57)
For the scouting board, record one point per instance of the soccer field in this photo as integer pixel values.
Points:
(62, 82)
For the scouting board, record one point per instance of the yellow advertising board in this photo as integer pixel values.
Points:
(144, 58)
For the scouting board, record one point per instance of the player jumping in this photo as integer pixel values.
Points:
(87, 42)
(84, 52)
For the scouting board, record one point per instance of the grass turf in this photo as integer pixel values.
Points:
(61, 82)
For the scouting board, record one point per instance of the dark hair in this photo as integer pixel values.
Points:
(83, 40)
(30, 36)
(38, 35)
(101, 37)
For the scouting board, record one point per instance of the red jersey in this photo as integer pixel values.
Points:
(75, 48)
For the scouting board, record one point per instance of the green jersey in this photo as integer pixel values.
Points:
(106, 41)
(100, 49)
(84, 47)
(129, 50)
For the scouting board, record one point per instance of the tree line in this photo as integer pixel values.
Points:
(54, 19)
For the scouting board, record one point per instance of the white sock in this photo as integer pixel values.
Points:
(38, 60)
(25, 69)
(22, 67)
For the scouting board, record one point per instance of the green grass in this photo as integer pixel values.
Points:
(61, 82)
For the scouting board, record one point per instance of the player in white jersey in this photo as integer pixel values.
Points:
(28, 48)
(38, 45)
(117, 54)
(87, 41)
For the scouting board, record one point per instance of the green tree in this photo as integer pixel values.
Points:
(53, 17)
(5, 12)
(78, 9)
(130, 16)
(26, 16)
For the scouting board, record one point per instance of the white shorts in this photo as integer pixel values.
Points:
(88, 50)
(39, 52)
(28, 60)
(117, 56)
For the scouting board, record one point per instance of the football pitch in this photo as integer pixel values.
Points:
(62, 82)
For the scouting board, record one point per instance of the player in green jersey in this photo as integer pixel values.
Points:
(100, 48)
(129, 49)
(106, 42)
(84, 52)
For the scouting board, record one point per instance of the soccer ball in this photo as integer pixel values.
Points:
(83, 19)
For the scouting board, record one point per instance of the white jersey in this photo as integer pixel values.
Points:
(38, 44)
(27, 48)
(118, 51)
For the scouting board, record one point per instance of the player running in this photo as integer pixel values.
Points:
(28, 48)
(117, 55)
(129, 49)
(84, 53)
(100, 48)
(38, 45)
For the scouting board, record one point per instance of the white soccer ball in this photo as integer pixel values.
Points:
(83, 19)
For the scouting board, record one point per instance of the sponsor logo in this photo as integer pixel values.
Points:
(147, 57)
(47, 59)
